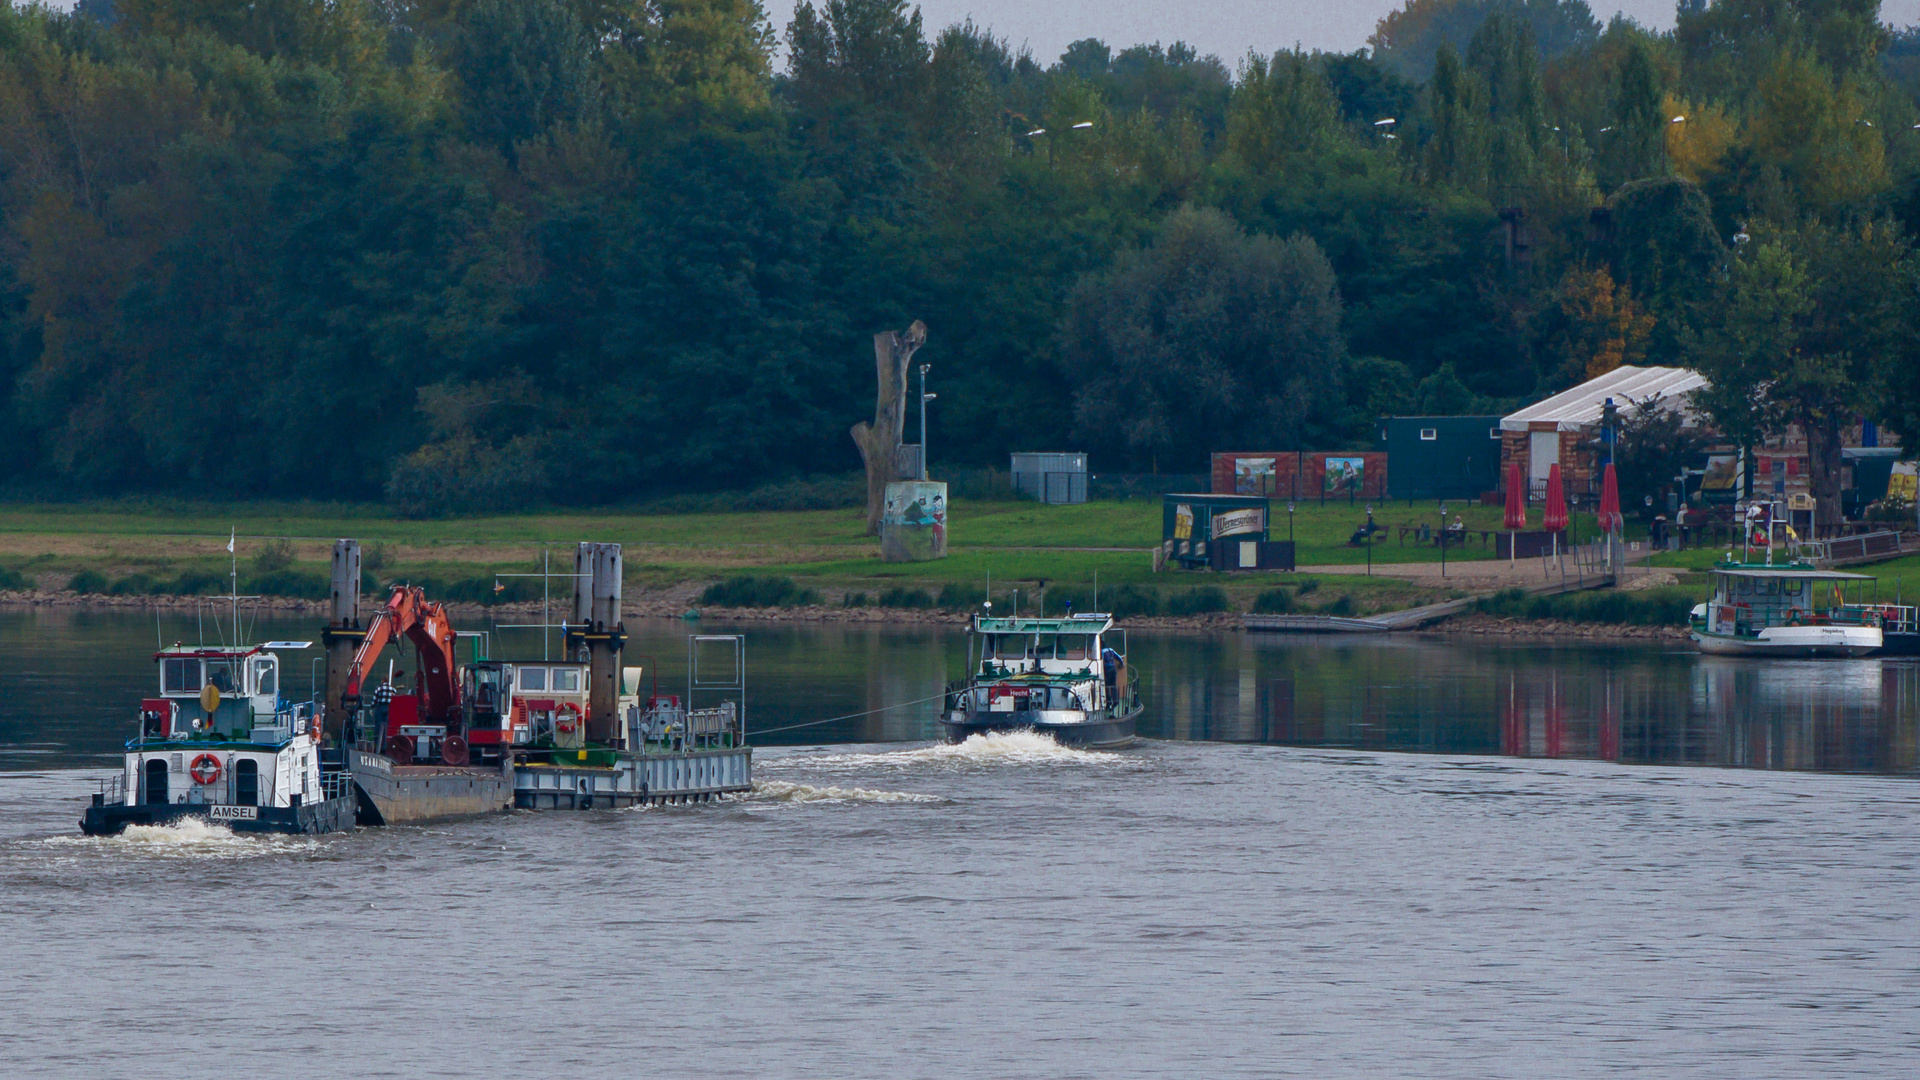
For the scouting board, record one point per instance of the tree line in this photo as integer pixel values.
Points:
(466, 255)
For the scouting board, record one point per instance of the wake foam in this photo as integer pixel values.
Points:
(997, 748)
(781, 791)
(187, 838)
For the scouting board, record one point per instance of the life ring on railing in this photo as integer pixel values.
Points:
(562, 722)
(205, 769)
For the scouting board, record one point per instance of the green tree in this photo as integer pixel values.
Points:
(1208, 338)
(1280, 110)
(1804, 331)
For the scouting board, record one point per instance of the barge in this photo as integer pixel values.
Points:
(220, 743)
(1067, 678)
(491, 735)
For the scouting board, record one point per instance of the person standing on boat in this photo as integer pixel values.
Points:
(1110, 664)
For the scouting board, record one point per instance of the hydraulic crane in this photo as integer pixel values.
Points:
(409, 613)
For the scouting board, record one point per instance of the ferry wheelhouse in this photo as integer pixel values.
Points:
(221, 742)
(1067, 678)
(1793, 610)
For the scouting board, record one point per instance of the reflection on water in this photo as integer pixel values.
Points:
(74, 678)
(1632, 703)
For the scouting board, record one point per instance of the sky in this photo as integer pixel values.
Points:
(1226, 28)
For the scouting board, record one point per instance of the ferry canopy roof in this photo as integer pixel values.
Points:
(1584, 405)
(1092, 622)
(1798, 575)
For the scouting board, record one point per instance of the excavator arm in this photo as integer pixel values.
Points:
(409, 613)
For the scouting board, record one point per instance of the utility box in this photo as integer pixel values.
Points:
(1441, 457)
(1194, 527)
(1051, 478)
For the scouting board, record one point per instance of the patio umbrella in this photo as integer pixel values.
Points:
(1556, 503)
(1610, 502)
(1516, 498)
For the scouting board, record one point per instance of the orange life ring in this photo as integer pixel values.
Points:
(205, 769)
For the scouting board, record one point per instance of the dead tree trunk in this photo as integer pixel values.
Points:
(879, 442)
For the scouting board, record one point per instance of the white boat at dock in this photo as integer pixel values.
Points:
(1765, 610)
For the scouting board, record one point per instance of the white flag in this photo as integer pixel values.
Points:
(230, 535)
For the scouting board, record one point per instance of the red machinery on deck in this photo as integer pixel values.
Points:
(433, 710)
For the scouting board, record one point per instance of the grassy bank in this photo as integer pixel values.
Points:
(135, 549)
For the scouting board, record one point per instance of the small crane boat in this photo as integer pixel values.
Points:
(220, 743)
(1066, 677)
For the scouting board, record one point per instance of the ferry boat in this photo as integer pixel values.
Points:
(1773, 610)
(220, 742)
(1066, 677)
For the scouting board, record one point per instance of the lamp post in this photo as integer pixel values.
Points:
(1369, 541)
(1289, 521)
(924, 398)
(1443, 539)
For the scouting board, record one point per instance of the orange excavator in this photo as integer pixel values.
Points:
(433, 711)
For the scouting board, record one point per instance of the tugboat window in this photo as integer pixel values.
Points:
(1010, 647)
(221, 676)
(1070, 647)
(180, 676)
(265, 677)
(533, 678)
(566, 680)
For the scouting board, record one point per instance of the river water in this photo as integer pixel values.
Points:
(1330, 858)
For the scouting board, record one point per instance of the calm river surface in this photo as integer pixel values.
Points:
(1412, 857)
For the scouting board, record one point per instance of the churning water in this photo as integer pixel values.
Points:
(1009, 908)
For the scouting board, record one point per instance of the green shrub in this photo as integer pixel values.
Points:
(899, 596)
(89, 582)
(134, 585)
(285, 583)
(196, 583)
(1342, 605)
(854, 599)
(1273, 602)
(273, 555)
(1307, 586)
(1653, 607)
(957, 597)
(750, 591)
(13, 579)
(1127, 601)
(1200, 601)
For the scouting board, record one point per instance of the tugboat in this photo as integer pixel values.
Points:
(1059, 677)
(220, 743)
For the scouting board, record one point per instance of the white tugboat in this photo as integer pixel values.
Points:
(1060, 677)
(219, 742)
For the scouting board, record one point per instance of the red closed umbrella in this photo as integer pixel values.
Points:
(1556, 520)
(1610, 520)
(1516, 498)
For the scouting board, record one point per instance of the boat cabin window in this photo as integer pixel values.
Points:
(179, 675)
(484, 684)
(1072, 646)
(1791, 587)
(1008, 646)
(266, 674)
(566, 680)
(1743, 586)
(533, 678)
(222, 676)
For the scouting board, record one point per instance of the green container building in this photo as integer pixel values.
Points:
(1441, 457)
